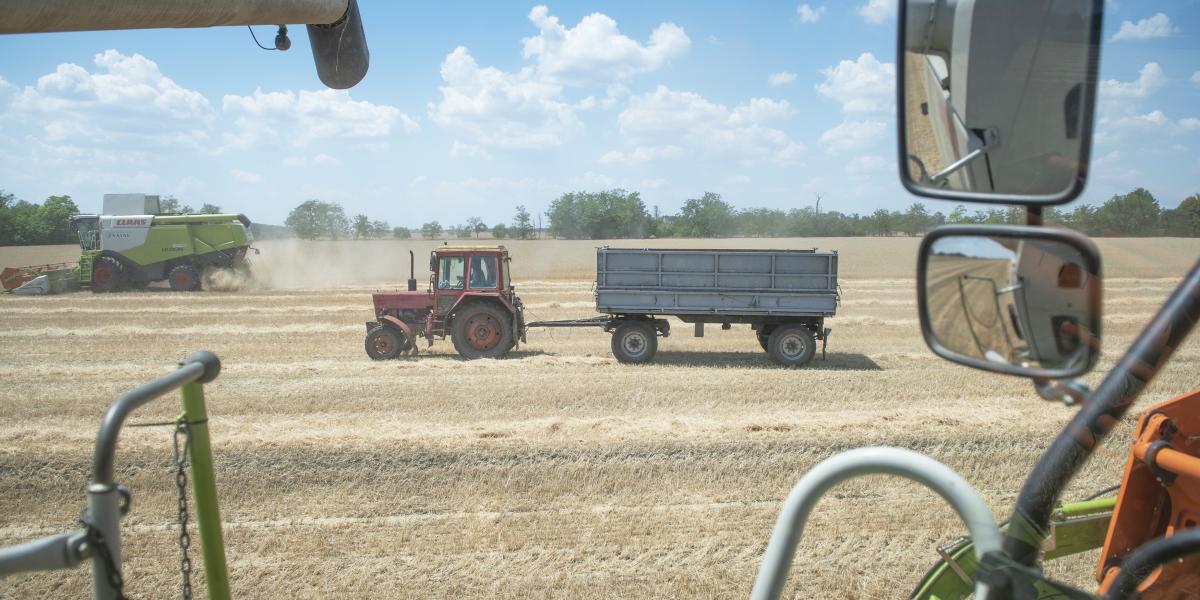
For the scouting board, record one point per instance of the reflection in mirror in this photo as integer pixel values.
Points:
(997, 95)
(1012, 302)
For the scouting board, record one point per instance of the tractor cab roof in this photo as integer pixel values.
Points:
(471, 248)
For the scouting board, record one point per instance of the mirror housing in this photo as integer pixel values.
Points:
(1011, 299)
(995, 98)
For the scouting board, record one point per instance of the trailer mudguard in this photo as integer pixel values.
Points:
(401, 325)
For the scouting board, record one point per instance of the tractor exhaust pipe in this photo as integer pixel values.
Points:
(412, 265)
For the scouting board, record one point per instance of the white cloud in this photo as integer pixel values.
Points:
(1154, 122)
(642, 154)
(461, 150)
(877, 11)
(593, 181)
(496, 108)
(1189, 123)
(862, 85)
(666, 117)
(737, 180)
(596, 51)
(127, 99)
(320, 160)
(1196, 78)
(1153, 27)
(308, 116)
(868, 164)
(778, 79)
(246, 176)
(809, 14)
(1149, 80)
(853, 136)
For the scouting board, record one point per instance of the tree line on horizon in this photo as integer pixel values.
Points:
(617, 213)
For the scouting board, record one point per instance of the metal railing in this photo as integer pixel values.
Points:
(107, 501)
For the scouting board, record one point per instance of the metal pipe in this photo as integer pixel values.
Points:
(204, 490)
(869, 461)
(104, 511)
(1099, 414)
(114, 417)
(58, 551)
(23, 16)
(1179, 463)
(1139, 564)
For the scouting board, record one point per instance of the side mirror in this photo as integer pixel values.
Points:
(995, 98)
(1011, 299)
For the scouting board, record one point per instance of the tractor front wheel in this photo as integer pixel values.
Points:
(184, 278)
(107, 275)
(482, 331)
(385, 343)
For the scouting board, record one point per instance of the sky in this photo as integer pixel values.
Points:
(470, 109)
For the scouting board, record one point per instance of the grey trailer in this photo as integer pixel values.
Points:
(784, 295)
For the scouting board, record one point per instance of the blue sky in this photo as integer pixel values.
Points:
(471, 109)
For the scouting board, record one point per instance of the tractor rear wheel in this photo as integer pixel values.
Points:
(791, 345)
(384, 343)
(481, 331)
(107, 275)
(184, 278)
(634, 342)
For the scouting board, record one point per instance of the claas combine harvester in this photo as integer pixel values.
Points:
(130, 245)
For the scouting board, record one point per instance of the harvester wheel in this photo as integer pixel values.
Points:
(634, 342)
(482, 331)
(184, 278)
(791, 345)
(385, 343)
(107, 275)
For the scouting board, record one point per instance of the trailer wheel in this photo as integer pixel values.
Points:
(384, 343)
(107, 275)
(763, 338)
(791, 345)
(634, 342)
(481, 331)
(184, 278)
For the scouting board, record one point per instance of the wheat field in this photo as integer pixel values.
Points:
(555, 473)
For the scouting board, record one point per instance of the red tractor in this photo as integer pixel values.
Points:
(470, 299)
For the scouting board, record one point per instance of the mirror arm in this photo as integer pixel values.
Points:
(990, 140)
(1069, 392)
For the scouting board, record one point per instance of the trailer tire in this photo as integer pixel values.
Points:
(763, 339)
(634, 342)
(384, 343)
(184, 278)
(481, 330)
(792, 345)
(108, 275)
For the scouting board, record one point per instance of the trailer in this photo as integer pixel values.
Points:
(784, 295)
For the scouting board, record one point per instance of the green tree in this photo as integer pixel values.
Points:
(314, 219)
(917, 220)
(500, 231)
(380, 229)
(1136, 213)
(707, 216)
(170, 205)
(431, 230)
(599, 215)
(522, 228)
(55, 214)
(210, 209)
(475, 224)
(401, 233)
(362, 226)
(1184, 220)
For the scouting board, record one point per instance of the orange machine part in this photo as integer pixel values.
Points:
(1154, 504)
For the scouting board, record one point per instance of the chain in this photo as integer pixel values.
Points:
(100, 546)
(183, 429)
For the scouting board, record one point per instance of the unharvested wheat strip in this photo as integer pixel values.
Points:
(197, 310)
(125, 330)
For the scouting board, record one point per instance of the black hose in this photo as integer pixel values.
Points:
(1140, 563)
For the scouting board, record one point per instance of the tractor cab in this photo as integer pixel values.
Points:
(87, 227)
(470, 299)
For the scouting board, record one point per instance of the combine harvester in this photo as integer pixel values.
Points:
(130, 246)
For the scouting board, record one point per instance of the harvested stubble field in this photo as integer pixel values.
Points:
(554, 473)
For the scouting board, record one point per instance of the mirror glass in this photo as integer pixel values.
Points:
(997, 97)
(1007, 302)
